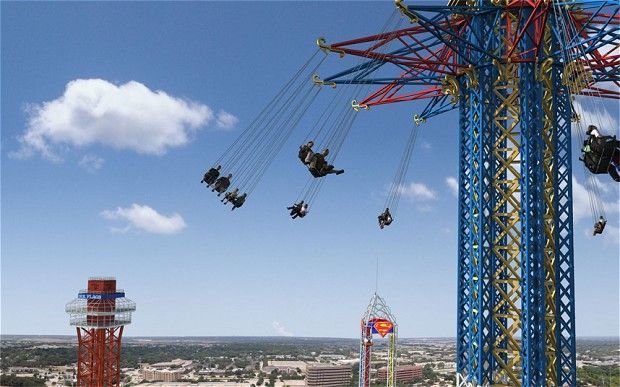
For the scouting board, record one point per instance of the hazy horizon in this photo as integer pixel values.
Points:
(281, 337)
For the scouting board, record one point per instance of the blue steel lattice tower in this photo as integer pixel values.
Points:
(511, 67)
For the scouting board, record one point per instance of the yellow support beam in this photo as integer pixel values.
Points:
(391, 381)
(549, 169)
(506, 216)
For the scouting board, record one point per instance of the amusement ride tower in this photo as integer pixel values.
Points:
(512, 69)
(99, 314)
(378, 319)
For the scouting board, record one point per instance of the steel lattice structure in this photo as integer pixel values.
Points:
(511, 67)
(378, 319)
(99, 315)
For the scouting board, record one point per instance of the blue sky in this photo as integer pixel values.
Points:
(254, 271)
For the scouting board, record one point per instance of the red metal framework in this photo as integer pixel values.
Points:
(442, 42)
(99, 356)
(99, 314)
(367, 349)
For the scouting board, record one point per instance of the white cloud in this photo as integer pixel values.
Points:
(281, 329)
(426, 145)
(611, 235)
(91, 163)
(417, 191)
(581, 203)
(226, 120)
(453, 185)
(424, 207)
(146, 219)
(128, 116)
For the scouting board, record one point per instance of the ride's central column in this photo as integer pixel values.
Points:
(548, 336)
(561, 347)
(489, 312)
(532, 228)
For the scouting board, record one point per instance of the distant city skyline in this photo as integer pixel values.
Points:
(222, 361)
(111, 113)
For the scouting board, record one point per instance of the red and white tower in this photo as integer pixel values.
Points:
(99, 314)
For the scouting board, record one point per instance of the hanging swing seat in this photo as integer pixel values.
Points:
(306, 153)
(385, 218)
(599, 153)
(599, 226)
(211, 175)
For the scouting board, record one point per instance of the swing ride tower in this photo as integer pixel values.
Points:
(377, 319)
(512, 69)
(99, 314)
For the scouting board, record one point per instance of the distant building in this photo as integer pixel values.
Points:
(348, 361)
(328, 375)
(212, 371)
(161, 375)
(176, 363)
(287, 364)
(280, 369)
(328, 356)
(449, 365)
(22, 370)
(403, 374)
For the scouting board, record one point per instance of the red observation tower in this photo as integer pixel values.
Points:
(99, 314)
